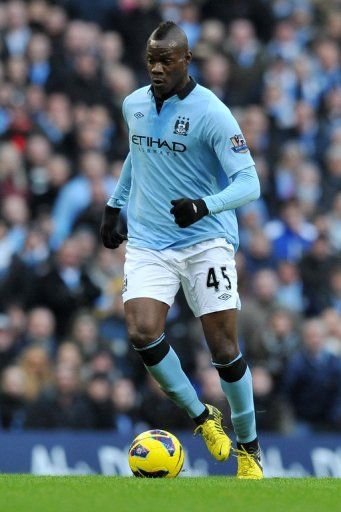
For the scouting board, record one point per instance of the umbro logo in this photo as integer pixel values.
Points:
(224, 296)
(138, 115)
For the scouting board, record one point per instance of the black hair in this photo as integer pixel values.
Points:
(163, 29)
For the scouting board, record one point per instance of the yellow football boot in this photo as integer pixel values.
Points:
(217, 442)
(249, 464)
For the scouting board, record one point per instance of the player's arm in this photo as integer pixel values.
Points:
(110, 236)
(244, 188)
(223, 134)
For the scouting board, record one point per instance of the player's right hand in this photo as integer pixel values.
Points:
(110, 237)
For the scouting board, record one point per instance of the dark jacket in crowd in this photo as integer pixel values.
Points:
(312, 385)
(51, 411)
(160, 412)
(53, 293)
(12, 412)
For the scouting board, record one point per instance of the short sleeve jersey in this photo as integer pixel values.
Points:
(180, 152)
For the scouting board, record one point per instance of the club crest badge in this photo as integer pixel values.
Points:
(239, 144)
(181, 126)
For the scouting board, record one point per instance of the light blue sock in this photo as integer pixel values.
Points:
(175, 383)
(240, 397)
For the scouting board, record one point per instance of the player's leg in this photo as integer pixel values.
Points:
(145, 318)
(150, 287)
(210, 286)
(220, 330)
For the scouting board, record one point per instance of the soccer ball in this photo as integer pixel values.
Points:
(156, 454)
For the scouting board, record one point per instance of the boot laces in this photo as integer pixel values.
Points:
(245, 460)
(212, 430)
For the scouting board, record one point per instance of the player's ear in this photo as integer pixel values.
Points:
(188, 57)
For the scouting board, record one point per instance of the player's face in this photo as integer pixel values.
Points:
(167, 66)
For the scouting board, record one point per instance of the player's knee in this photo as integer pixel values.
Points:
(142, 333)
(225, 351)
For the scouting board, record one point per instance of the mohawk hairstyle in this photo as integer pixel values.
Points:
(163, 29)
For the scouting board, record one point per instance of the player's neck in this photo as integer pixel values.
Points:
(176, 89)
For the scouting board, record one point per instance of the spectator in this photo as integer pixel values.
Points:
(12, 399)
(76, 194)
(280, 341)
(19, 280)
(103, 363)
(66, 287)
(328, 55)
(39, 52)
(98, 392)
(18, 33)
(315, 269)
(12, 177)
(290, 290)
(69, 354)
(216, 74)
(247, 63)
(312, 382)
(284, 44)
(332, 182)
(107, 274)
(334, 299)
(84, 333)
(16, 214)
(291, 235)
(334, 224)
(308, 188)
(126, 405)
(111, 49)
(271, 415)
(36, 366)
(253, 316)
(164, 414)
(259, 252)
(40, 330)
(44, 194)
(62, 407)
(332, 322)
(8, 348)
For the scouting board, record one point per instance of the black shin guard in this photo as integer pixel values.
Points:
(154, 352)
(232, 372)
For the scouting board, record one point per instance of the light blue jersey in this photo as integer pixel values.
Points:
(177, 153)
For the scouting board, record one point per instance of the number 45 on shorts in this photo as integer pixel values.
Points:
(212, 280)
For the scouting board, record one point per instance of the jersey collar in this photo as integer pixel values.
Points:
(184, 92)
(187, 89)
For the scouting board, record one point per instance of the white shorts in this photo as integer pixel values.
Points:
(206, 271)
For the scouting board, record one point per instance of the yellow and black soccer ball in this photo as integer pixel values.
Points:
(156, 454)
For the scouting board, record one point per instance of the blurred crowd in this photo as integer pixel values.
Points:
(66, 66)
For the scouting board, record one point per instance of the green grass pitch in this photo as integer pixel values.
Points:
(27, 493)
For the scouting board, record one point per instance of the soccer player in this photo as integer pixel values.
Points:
(182, 230)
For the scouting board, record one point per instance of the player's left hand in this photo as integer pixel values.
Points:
(187, 211)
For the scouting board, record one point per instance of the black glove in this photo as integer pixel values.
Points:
(187, 211)
(110, 237)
